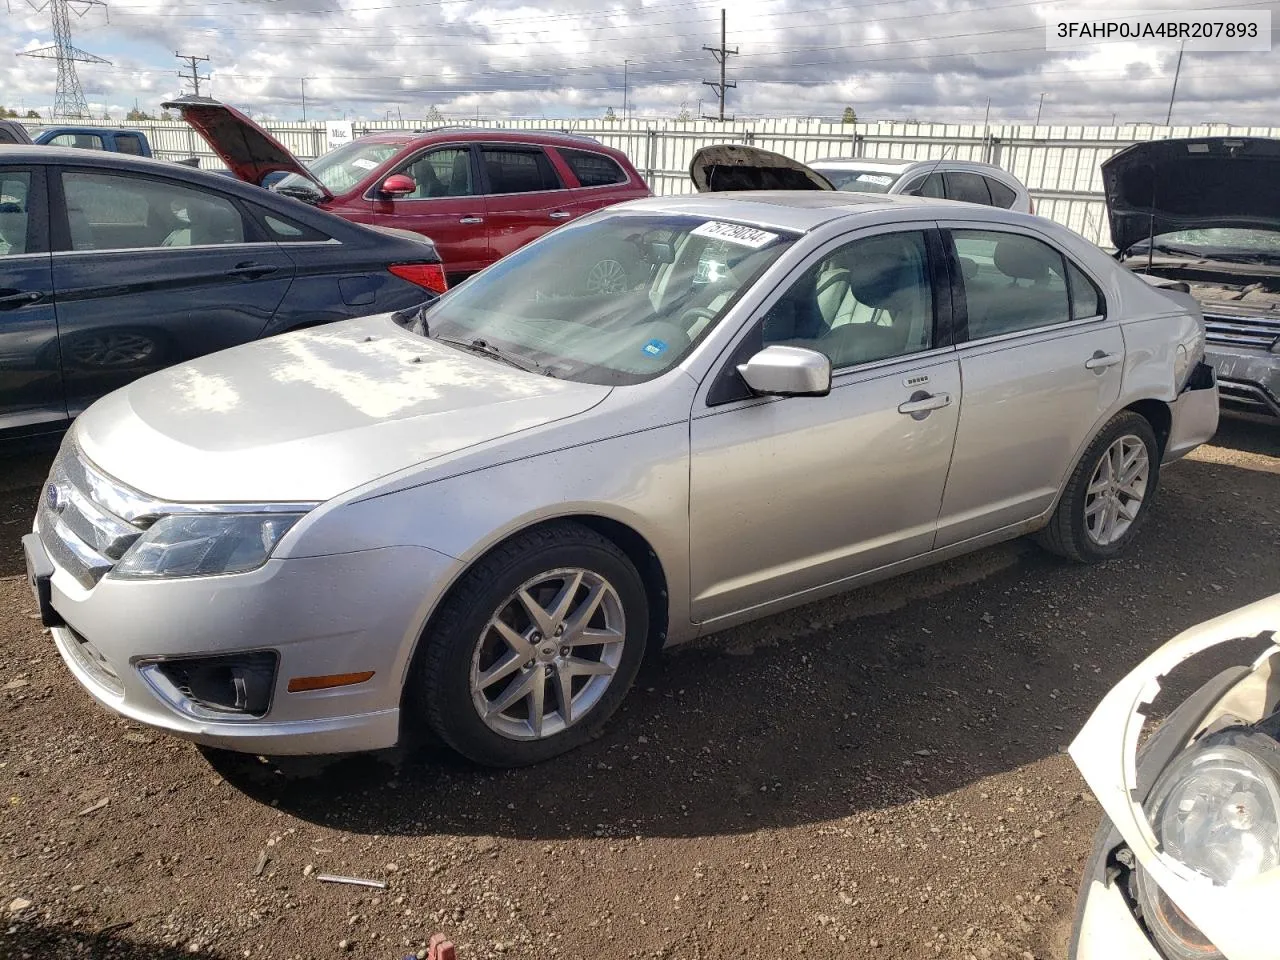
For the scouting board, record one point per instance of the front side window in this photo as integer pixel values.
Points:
(593, 169)
(868, 300)
(930, 186)
(518, 170)
(969, 187)
(440, 173)
(83, 141)
(108, 212)
(1012, 282)
(671, 280)
(15, 188)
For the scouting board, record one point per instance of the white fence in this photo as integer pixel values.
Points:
(1060, 165)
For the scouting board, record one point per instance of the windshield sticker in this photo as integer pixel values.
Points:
(655, 348)
(364, 163)
(878, 179)
(734, 233)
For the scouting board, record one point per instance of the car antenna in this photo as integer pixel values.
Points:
(936, 164)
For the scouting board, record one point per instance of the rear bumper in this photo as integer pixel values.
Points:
(1194, 414)
(1248, 380)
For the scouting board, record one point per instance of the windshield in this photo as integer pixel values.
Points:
(614, 301)
(859, 181)
(1219, 243)
(341, 169)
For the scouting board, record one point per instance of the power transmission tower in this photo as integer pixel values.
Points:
(194, 76)
(722, 54)
(68, 99)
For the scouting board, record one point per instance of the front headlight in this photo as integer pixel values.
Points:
(202, 545)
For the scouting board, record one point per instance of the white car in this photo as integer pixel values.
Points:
(1186, 864)
(963, 180)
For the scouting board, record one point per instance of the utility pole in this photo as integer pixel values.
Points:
(625, 64)
(304, 98)
(1174, 92)
(722, 54)
(194, 75)
(1038, 109)
(68, 98)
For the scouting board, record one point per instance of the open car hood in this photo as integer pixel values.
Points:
(245, 147)
(728, 166)
(1236, 916)
(1170, 185)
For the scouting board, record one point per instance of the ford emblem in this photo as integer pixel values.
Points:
(53, 496)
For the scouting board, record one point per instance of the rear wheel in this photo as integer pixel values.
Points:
(1109, 494)
(534, 649)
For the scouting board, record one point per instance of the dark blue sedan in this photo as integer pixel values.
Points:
(112, 267)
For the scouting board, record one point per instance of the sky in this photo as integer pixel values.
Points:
(928, 60)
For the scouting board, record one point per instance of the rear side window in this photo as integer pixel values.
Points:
(1001, 195)
(593, 169)
(14, 189)
(129, 143)
(968, 187)
(518, 170)
(1012, 282)
(1086, 298)
(284, 230)
(85, 141)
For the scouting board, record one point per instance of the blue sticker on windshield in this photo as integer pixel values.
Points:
(655, 348)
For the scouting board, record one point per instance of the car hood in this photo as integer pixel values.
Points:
(245, 147)
(1234, 917)
(308, 415)
(1169, 185)
(728, 166)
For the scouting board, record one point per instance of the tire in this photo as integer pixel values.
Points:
(608, 273)
(1070, 532)
(466, 664)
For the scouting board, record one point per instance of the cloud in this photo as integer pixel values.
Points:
(936, 60)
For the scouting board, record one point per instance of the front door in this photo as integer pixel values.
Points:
(446, 207)
(30, 368)
(790, 494)
(1042, 364)
(149, 272)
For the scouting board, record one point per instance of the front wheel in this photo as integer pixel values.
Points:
(1110, 492)
(534, 649)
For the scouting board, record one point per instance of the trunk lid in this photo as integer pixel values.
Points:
(732, 167)
(245, 147)
(1192, 184)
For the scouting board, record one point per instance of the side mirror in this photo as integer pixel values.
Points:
(783, 371)
(398, 185)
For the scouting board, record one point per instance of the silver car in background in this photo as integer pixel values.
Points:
(964, 180)
(475, 517)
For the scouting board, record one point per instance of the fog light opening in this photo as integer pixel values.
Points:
(236, 685)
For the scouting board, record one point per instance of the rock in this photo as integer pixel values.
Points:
(77, 887)
(1038, 834)
(391, 867)
(18, 904)
(308, 870)
(345, 945)
(16, 684)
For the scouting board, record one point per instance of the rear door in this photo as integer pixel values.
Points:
(1041, 361)
(150, 271)
(525, 195)
(600, 178)
(447, 206)
(30, 368)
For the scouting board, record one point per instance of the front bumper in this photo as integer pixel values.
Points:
(340, 614)
(1249, 380)
(1107, 929)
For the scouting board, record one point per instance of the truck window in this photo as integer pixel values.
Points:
(129, 143)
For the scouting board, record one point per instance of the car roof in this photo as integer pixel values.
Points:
(800, 211)
(861, 163)
(900, 166)
(572, 141)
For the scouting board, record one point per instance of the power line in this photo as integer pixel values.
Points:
(68, 98)
(722, 54)
(194, 76)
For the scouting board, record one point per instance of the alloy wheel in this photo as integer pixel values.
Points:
(606, 276)
(1116, 490)
(548, 654)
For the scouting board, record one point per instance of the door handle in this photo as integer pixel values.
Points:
(923, 403)
(472, 220)
(1100, 361)
(251, 271)
(11, 301)
(560, 214)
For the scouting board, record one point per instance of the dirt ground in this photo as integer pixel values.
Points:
(880, 775)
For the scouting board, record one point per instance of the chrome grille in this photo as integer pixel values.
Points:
(1256, 332)
(79, 518)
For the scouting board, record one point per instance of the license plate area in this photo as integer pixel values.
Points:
(40, 578)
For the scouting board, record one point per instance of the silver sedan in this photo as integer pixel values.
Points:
(476, 517)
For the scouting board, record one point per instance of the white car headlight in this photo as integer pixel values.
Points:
(201, 545)
(1216, 808)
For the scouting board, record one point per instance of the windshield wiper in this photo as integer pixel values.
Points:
(484, 347)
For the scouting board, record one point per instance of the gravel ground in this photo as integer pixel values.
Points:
(880, 775)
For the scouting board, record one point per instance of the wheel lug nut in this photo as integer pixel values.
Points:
(564, 651)
(550, 670)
